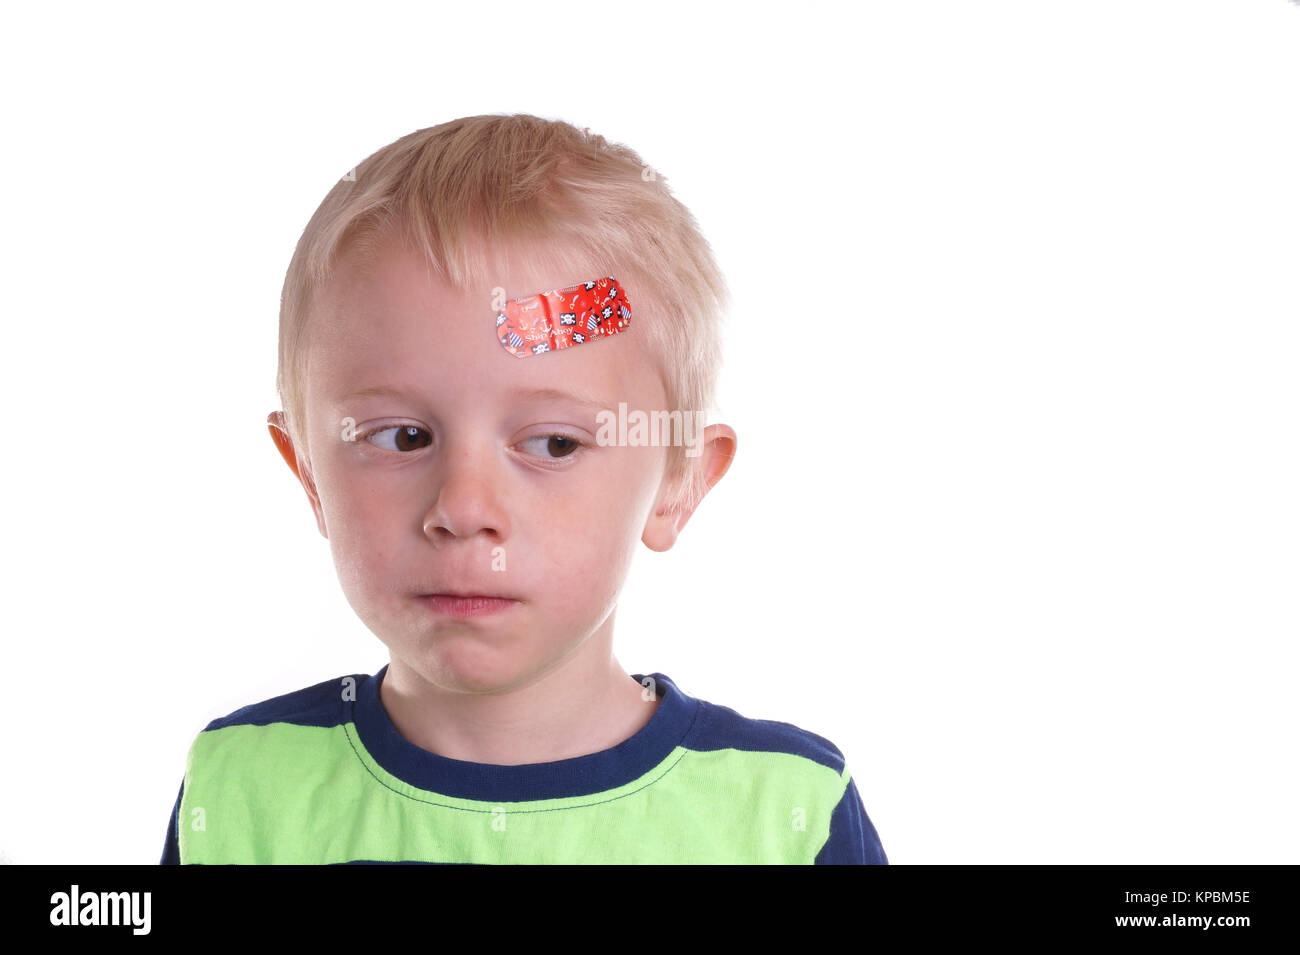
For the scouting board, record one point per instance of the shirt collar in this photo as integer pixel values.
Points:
(579, 776)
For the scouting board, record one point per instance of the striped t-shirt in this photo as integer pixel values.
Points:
(322, 776)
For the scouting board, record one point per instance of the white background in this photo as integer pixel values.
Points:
(1013, 361)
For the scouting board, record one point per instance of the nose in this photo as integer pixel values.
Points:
(467, 498)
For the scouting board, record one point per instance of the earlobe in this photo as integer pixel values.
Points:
(662, 528)
(279, 429)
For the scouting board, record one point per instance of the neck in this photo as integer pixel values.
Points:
(583, 704)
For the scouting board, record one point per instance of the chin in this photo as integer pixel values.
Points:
(474, 669)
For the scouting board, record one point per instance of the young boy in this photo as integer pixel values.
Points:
(466, 322)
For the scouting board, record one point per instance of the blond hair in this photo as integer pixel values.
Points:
(573, 200)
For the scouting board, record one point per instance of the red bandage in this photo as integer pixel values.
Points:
(549, 321)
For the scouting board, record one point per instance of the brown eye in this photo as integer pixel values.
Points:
(403, 437)
(558, 445)
(551, 446)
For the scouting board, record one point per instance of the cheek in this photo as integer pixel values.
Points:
(358, 516)
(594, 530)
(586, 566)
(362, 523)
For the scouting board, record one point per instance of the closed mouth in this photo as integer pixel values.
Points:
(466, 605)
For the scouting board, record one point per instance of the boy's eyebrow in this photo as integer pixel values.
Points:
(556, 394)
(379, 391)
(372, 393)
(532, 394)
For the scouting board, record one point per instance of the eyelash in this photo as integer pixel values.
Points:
(579, 446)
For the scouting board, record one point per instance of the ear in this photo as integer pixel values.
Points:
(275, 422)
(717, 450)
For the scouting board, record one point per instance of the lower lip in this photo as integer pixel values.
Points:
(466, 606)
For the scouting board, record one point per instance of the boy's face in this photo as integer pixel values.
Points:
(474, 494)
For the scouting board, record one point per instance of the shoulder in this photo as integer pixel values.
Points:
(294, 732)
(321, 704)
(719, 727)
(785, 772)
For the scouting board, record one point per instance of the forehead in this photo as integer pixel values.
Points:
(388, 320)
